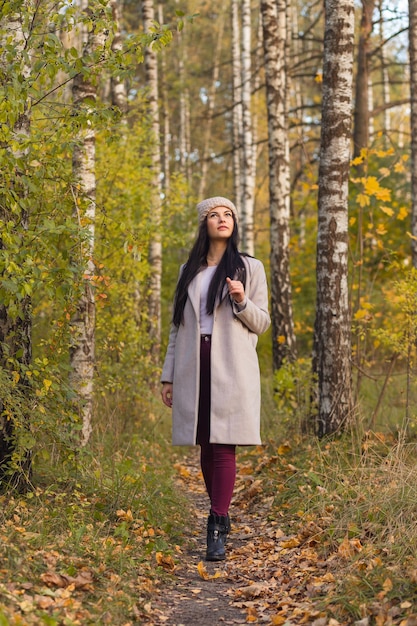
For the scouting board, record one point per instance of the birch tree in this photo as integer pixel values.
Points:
(210, 108)
(412, 40)
(361, 123)
(275, 37)
(165, 113)
(82, 351)
(386, 97)
(117, 84)
(248, 172)
(332, 341)
(237, 128)
(155, 247)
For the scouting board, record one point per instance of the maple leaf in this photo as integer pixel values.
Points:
(165, 561)
(203, 573)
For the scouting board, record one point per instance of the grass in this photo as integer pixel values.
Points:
(82, 547)
(356, 502)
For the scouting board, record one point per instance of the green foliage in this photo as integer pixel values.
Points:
(293, 392)
(41, 253)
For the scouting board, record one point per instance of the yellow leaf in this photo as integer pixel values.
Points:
(402, 213)
(357, 161)
(318, 78)
(361, 314)
(352, 221)
(373, 188)
(345, 549)
(381, 230)
(387, 210)
(277, 620)
(16, 378)
(363, 200)
(284, 448)
(281, 339)
(203, 573)
(384, 171)
(384, 153)
(47, 383)
(290, 543)
(127, 516)
(165, 561)
(182, 470)
(399, 167)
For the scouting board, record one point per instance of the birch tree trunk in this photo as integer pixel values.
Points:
(155, 246)
(386, 98)
(332, 341)
(184, 133)
(82, 351)
(165, 160)
(210, 109)
(274, 20)
(412, 5)
(361, 116)
(16, 330)
(117, 85)
(248, 177)
(237, 129)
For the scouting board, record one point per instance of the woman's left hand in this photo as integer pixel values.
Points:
(236, 290)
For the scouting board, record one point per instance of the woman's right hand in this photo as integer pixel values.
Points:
(167, 393)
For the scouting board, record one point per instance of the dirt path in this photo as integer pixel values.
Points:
(255, 584)
(190, 599)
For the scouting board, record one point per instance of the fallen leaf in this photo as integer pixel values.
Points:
(165, 561)
(290, 543)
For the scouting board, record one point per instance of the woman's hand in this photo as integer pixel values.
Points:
(236, 290)
(167, 394)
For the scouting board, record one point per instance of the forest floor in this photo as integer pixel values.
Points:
(267, 578)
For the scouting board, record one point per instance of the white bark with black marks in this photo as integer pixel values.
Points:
(274, 19)
(333, 324)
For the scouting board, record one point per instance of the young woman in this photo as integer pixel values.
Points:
(210, 376)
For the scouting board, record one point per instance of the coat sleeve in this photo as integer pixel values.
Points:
(167, 375)
(255, 315)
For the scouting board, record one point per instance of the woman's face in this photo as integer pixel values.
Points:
(220, 223)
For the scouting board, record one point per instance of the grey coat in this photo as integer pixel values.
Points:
(235, 378)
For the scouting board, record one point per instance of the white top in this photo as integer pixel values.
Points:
(206, 321)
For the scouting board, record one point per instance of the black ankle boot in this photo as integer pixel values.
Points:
(218, 527)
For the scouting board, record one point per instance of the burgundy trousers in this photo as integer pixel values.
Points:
(218, 461)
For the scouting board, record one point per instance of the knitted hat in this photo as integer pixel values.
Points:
(208, 204)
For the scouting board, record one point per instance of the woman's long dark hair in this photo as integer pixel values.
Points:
(231, 265)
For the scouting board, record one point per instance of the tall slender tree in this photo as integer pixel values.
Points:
(117, 84)
(211, 99)
(155, 247)
(248, 172)
(82, 351)
(237, 128)
(165, 141)
(332, 339)
(412, 5)
(361, 123)
(275, 30)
